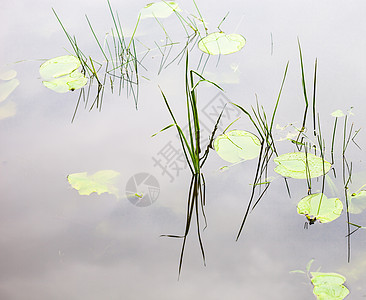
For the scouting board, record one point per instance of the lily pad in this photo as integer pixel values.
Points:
(70, 82)
(8, 74)
(7, 87)
(357, 202)
(300, 165)
(338, 113)
(161, 9)
(237, 145)
(330, 208)
(104, 181)
(319, 278)
(330, 292)
(221, 43)
(8, 109)
(329, 286)
(61, 74)
(59, 66)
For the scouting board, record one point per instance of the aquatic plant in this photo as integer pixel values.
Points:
(237, 145)
(8, 84)
(319, 207)
(326, 286)
(220, 43)
(194, 154)
(104, 181)
(61, 74)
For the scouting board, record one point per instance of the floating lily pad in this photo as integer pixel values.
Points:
(70, 82)
(105, 181)
(8, 74)
(237, 145)
(59, 66)
(8, 109)
(300, 165)
(330, 208)
(319, 278)
(221, 43)
(7, 87)
(338, 113)
(159, 9)
(357, 202)
(330, 292)
(329, 286)
(61, 74)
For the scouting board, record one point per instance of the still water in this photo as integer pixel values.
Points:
(58, 244)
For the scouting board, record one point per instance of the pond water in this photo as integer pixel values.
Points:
(58, 244)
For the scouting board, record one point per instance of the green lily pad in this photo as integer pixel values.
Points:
(8, 110)
(330, 292)
(8, 74)
(329, 286)
(221, 43)
(70, 82)
(161, 9)
(59, 66)
(61, 74)
(338, 113)
(294, 165)
(237, 145)
(330, 208)
(104, 181)
(319, 278)
(357, 202)
(7, 87)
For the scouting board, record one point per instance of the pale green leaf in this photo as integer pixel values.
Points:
(70, 82)
(8, 110)
(161, 9)
(7, 87)
(8, 74)
(59, 66)
(308, 265)
(298, 164)
(338, 113)
(298, 271)
(357, 202)
(237, 145)
(105, 181)
(330, 208)
(221, 43)
(330, 292)
(319, 278)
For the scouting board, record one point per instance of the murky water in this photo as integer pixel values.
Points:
(57, 244)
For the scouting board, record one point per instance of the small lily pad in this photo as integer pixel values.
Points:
(338, 113)
(300, 165)
(319, 278)
(61, 74)
(237, 145)
(59, 66)
(357, 202)
(329, 286)
(8, 74)
(330, 208)
(161, 9)
(330, 292)
(221, 43)
(7, 87)
(104, 181)
(70, 82)
(8, 110)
